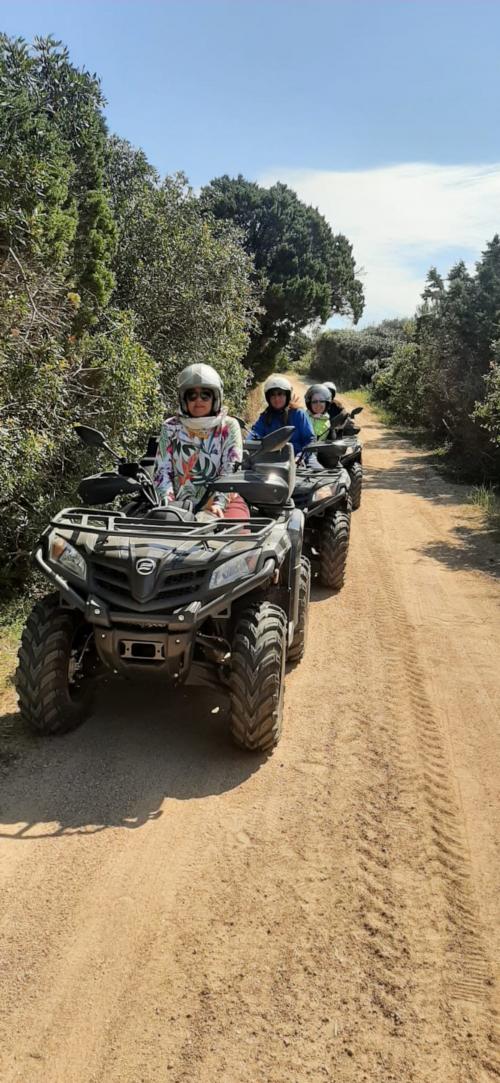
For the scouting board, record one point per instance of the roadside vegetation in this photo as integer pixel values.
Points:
(112, 278)
(436, 374)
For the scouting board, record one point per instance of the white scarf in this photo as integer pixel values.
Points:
(200, 426)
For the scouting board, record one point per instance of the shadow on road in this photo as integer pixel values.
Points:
(473, 551)
(143, 744)
(414, 474)
(471, 547)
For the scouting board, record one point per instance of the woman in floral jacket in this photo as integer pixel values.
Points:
(198, 445)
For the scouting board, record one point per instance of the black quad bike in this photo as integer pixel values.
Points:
(352, 457)
(324, 497)
(150, 591)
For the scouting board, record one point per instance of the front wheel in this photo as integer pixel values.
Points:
(333, 549)
(257, 676)
(356, 473)
(297, 649)
(51, 666)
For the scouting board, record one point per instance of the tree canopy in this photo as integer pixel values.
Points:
(303, 272)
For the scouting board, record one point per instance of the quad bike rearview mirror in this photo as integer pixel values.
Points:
(94, 438)
(90, 437)
(275, 441)
(357, 410)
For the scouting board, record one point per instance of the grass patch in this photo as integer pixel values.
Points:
(361, 396)
(487, 499)
(12, 618)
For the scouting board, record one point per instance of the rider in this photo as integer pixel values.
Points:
(337, 411)
(199, 444)
(280, 411)
(318, 399)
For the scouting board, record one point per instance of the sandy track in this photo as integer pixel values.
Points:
(172, 909)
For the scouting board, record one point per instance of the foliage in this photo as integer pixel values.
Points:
(398, 386)
(303, 272)
(448, 378)
(49, 380)
(187, 279)
(53, 206)
(487, 411)
(350, 358)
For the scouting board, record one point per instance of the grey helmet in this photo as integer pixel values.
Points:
(280, 383)
(320, 391)
(332, 388)
(200, 376)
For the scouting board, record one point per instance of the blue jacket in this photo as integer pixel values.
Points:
(302, 429)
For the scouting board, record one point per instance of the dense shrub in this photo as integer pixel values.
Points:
(187, 278)
(447, 378)
(49, 380)
(350, 358)
(487, 412)
(397, 384)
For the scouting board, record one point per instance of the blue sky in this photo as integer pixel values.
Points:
(385, 115)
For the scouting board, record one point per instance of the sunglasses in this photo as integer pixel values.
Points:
(318, 402)
(276, 393)
(205, 396)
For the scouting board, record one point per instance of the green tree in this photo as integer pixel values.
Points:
(487, 412)
(447, 377)
(487, 301)
(187, 279)
(54, 210)
(302, 271)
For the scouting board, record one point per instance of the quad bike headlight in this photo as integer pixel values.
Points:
(236, 568)
(61, 552)
(322, 493)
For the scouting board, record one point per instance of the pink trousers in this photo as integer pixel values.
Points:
(237, 508)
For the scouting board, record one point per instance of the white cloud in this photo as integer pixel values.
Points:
(401, 219)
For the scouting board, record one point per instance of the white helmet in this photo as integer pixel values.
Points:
(331, 387)
(200, 376)
(280, 383)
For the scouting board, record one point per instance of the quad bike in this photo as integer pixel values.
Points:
(351, 458)
(153, 592)
(324, 497)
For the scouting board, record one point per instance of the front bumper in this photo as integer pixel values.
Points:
(147, 642)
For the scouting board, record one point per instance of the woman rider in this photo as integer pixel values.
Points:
(199, 444)
(278, 393)
(318, 399)
(337, 411)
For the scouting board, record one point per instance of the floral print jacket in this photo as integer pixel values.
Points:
(187, 461)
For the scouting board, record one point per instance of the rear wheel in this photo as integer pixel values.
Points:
(356, 473)
(55, 645)
(334, 547)
(296, 651)
(257, 676)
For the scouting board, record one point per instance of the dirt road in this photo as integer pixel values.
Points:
(173, 910)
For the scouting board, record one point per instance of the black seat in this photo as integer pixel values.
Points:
(171, 515)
